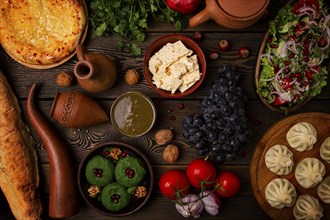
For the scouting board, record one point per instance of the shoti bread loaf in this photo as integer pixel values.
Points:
(19, 178)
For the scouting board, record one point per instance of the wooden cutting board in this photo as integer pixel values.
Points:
(261, 175)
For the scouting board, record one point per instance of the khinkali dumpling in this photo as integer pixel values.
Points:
(279, 159)
(302, 136)
(325, 150)
(307, 207)
(323, 190)
(280, 193)
(309, 172)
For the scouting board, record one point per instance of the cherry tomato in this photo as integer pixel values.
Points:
(227, 185)
(174, 183)
(201, 172)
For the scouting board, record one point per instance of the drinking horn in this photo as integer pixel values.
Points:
(63, 198)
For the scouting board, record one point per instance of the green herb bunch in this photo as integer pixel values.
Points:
(129, 19)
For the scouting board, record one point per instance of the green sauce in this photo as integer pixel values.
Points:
(133, 114)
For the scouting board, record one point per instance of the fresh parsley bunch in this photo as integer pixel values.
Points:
(129, 19)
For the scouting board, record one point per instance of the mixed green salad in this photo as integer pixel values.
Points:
(297, 45)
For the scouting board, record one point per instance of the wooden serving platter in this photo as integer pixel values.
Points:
(261, 175)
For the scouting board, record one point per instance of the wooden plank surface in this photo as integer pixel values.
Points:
(80, 141)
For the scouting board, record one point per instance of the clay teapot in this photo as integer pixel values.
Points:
(95, 72)
(75, 109)
(233, 14)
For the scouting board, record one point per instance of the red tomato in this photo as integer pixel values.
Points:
(174, 183)
(201, 172)
(227, 185)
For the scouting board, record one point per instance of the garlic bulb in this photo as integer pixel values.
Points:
(190, 206)
(210, 202)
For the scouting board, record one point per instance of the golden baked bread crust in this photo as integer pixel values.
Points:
(41, 32)
(19, 178)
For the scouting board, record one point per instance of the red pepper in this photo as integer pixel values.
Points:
(279, 101)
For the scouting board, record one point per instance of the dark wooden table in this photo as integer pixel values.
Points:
(80, 141)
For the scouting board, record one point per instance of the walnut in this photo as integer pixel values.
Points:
(171, 153)
(164, 136)
(132, 77)
(64, 79)
(115, 153)
(93, 191)
(140, 192)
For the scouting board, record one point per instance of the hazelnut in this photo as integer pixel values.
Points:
(164, 136)
(171, 153)
(64, 79)
(224, 45)
(132, 77)
(214, 55)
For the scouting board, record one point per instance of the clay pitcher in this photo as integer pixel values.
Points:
(75, 109)
(231, 14)
(95, 72)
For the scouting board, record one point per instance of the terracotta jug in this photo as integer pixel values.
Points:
(95, 72)
(75, 109)
(63, 190)
(233, 14)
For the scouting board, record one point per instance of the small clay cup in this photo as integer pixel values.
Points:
(75, 109)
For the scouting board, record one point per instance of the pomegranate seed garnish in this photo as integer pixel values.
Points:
(197, 36)
(172, 118)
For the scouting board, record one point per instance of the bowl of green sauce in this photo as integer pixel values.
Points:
(133, 114)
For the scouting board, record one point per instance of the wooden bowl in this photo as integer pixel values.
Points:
(261, 175)
(65, 59)
(258, 70)
(256, 82)
(134, 206)
(157, 45)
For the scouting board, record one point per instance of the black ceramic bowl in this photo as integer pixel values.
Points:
(135, 205)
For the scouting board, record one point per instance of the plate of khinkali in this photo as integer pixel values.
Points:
(290, 167)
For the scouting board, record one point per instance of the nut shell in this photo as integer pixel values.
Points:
(132, 77)
(171, 153)
(64, 79)
(164, 136)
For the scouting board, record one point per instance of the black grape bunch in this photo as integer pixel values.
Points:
(221, 130)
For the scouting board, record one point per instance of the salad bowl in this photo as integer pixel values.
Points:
(290, 68)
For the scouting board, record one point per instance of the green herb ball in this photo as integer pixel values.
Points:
(99, 171)
(115, 197)
(130, 171)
